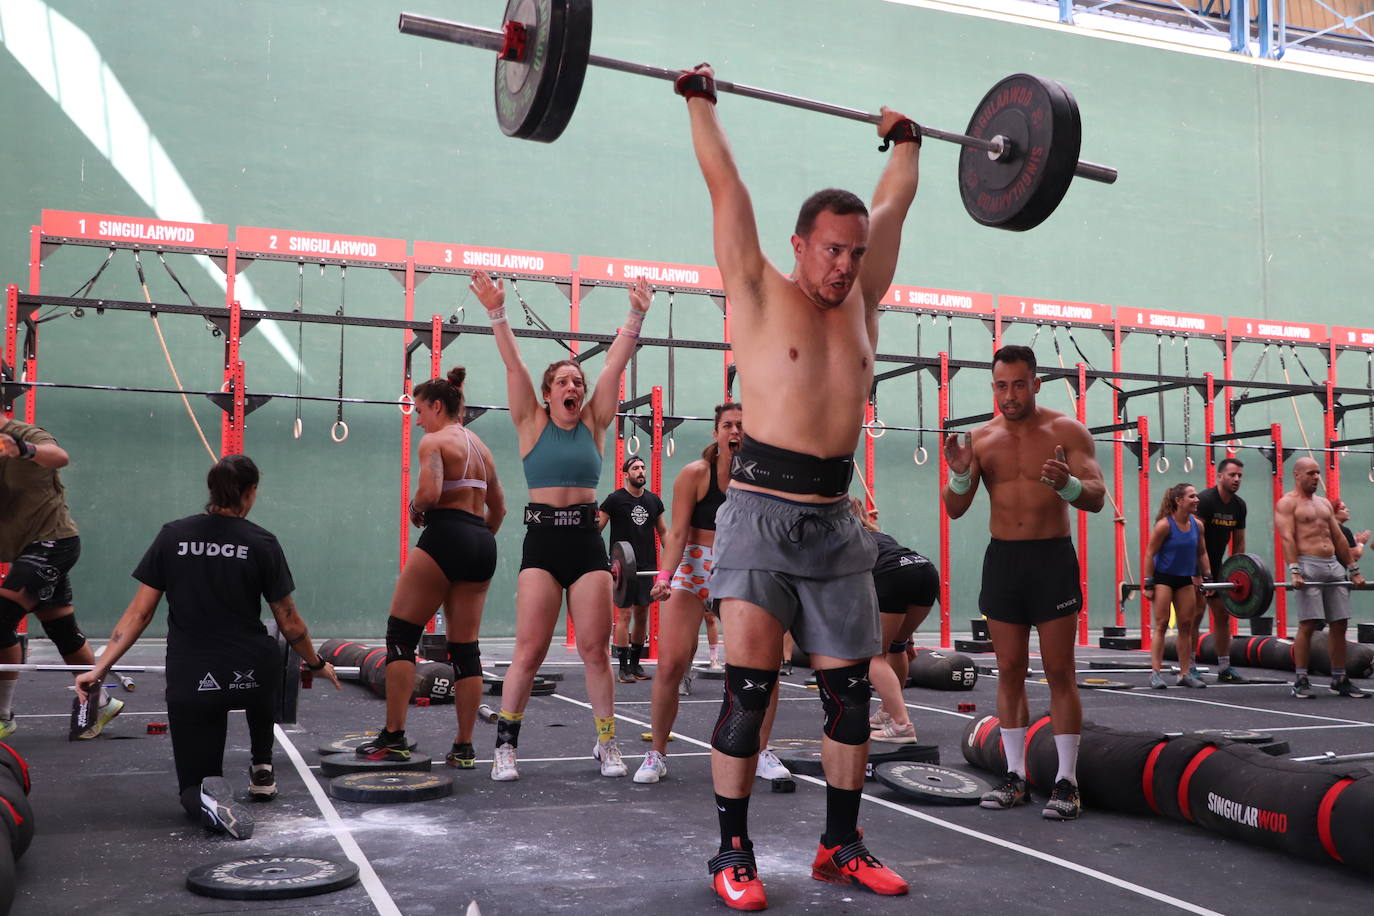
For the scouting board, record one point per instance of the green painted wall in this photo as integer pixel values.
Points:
(1242, 192)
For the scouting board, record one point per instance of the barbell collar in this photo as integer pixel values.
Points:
(493, 39)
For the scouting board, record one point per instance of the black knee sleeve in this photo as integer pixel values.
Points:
(65, 634)
(747, 691)
(845, 693)
(11, 612)
(402, 637)
(466, 659)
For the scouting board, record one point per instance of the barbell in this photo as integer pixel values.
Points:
(1247, 586)
(1020, 149)
(344, 672)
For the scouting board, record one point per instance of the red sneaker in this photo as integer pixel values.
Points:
(735, 877)
(852, 863)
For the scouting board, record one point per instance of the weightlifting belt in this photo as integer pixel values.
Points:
(541, 515)
(791, 472)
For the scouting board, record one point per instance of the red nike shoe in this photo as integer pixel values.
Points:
(852, 863)
(735, 877)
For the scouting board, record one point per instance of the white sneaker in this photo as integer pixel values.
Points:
(503, 764)
(716, 665)
(770, 767)
(612, 764)
(685, 688)
(654, 768)
(108, 710)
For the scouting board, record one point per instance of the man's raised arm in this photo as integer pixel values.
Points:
(891, 200)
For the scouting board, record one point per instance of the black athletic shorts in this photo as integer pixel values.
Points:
(41, 572)
(1172, 581)
(567, 554)
(1030, 582)
(915, 584)
(461, 543)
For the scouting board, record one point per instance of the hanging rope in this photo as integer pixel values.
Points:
(921, 456)
(1294, 401)
(671, 446)
(1162, 462)
(1054, 335)
(1187, 412)
(298, 425)
(167, 354)
(339, 431)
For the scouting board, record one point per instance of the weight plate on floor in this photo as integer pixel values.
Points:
(931, 785)
(1239, 735)
(350, 743)
(1039, 118)
(339, 764)
(803, 755)
(389, 786)
(272, 877)
(708, 674)
(535, 96)
(538, 688)
(1124, 664)
(1102, 683)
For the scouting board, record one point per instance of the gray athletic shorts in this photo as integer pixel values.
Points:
(1322, 603)
(809, 565)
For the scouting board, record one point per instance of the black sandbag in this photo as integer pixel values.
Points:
(1111, 767)
(1351, 811)
(942, 671)
(1359, 658)
(1239, 791)
(1164, 771)
(15, 812)
(982, 743)
(6, 873)
(1042, 757)
(434, 680)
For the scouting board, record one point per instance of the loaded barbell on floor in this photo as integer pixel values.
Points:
(1020, 149)
(1247, 586)
(344, 672)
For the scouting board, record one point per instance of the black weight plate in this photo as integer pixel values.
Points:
(389, 787)
(1276, 749)
(339, 764)
(1239, 735)
(624, 572)
(803, 755)
(538, 688)
(1040, 119)
(1120, 664)
(1253, 586)
(272, 877)
(932, 785)
(1102, 683)
(548, 674)
(535, 97)
(350, 743)
(708, 674)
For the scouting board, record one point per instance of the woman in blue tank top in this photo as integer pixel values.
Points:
(1175, 565)
(561, 445)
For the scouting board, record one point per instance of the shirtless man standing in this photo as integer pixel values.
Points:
(1035, 463)
(789, 553)
(1316, 552)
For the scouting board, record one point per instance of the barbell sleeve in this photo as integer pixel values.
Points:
(494, 39)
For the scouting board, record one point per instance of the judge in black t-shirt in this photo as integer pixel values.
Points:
(1357, 542)
(634, 515)
(214, 568)
(1222, 512)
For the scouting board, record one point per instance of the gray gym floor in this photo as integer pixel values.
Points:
(112, 838)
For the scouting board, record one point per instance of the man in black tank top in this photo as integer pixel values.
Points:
(635, 516)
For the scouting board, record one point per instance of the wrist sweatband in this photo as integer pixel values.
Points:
(665, 576)
(904, 131)
(633, 322)
(1294, 569)
(1073, 488)
(497, 315)
(959, 484)
(696, 86)
(26, 449)
(1149, 582)
(319, 667)
(1353, 570)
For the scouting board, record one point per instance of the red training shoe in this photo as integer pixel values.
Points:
(852, 863)
(735, 877)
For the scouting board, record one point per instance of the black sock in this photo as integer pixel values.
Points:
(841, 815)
(734, 822)
(622, 655)
(397, 738)
(507, 731)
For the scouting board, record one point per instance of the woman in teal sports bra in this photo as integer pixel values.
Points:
(561, 447)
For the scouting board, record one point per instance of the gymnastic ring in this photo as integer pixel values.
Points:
(669, 447)
(334, 431)
(296, 428)
(920, 456)
(876, 424)
(406, 403)
(1162, 464)
(632, 444)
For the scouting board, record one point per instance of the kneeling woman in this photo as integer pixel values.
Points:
(214, 568)
(1175, 563)
(459, 503)
(561, 447)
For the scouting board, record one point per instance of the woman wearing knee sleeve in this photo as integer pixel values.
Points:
(561, 446)
(214, 569)
(698, 491)
(907, 585)
(1175, 565)
(459, 504)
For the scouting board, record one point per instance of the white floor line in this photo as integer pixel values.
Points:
(1164, 695)
(373, 884)
(1309, 728)
(974, 834)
